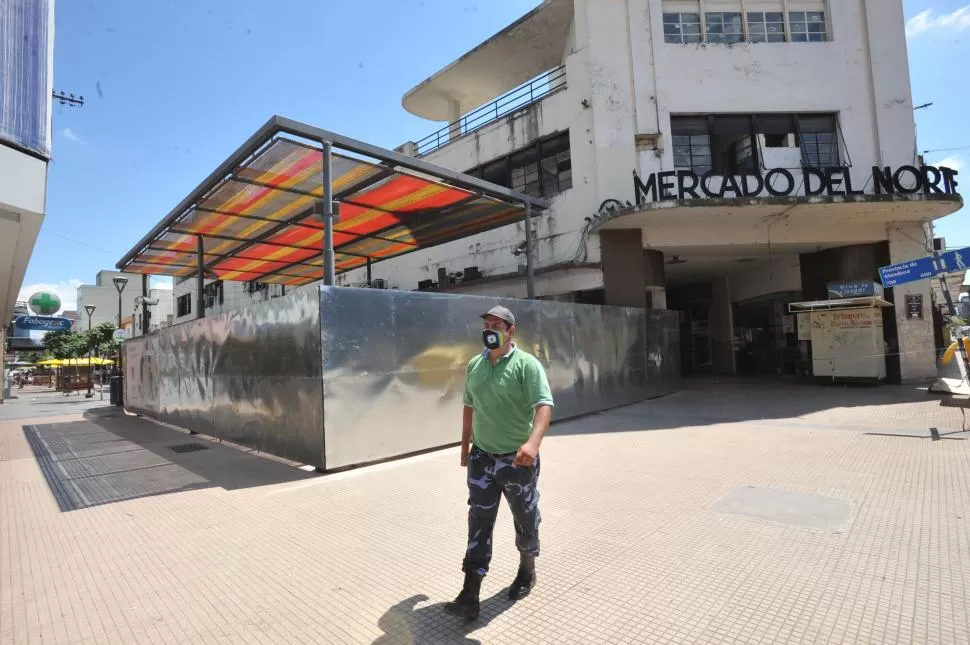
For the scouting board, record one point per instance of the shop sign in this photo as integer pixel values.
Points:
(782, 182)
(914, 306)
(42, 323)
(854, 289)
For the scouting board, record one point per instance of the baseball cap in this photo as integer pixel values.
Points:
(502, 313)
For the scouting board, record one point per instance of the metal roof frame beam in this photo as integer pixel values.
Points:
(275, 125)
(457, 179)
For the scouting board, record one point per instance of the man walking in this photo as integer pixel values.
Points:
(508, 406)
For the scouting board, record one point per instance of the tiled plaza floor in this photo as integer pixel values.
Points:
(728, 513)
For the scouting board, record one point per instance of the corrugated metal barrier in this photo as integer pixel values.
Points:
(342, 376)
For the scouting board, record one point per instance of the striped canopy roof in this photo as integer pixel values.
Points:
(255, 215)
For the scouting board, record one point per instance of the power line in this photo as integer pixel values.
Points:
(78, 242)
(926, 152)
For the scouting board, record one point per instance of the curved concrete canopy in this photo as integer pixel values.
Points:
(886, 208)
(531, 45)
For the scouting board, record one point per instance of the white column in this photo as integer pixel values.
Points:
(454, 119)
(916, 338)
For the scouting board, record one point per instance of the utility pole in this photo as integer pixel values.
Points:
(68, 99)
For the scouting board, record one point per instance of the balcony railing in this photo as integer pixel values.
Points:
(522, 96)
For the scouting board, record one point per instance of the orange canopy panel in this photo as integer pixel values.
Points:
(256, 221)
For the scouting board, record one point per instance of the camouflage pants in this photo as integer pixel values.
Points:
(490, 477)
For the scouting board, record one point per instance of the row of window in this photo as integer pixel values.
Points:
(760, 27)
(183, 305)
(543, 169)
(214, 294)
(732, 144)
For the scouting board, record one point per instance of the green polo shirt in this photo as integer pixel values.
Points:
(504, 397)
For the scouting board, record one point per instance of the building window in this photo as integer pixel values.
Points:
(213, 294)
(541, 170)
(256, 287)
(766, 26)
(722, 144)
(807, 26)
(819, 141)
(682, 28)
(724, 27)
(555, 165)
(692, 143)
(730, 144)
(524, 166)
(183, 305)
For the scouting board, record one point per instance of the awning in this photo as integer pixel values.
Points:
(838, 303)
(256, 219)
(531, 45)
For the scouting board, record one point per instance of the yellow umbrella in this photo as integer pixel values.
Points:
(84, 362)
(50, 361)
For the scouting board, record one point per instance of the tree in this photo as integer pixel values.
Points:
(101, 339)
(64, 344)
(70, 344)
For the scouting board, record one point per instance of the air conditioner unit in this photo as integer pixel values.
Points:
(378, 283)
(408, 148)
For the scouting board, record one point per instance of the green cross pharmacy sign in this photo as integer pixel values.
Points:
(44, 303)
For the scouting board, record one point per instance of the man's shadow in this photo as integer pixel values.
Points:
(403, 624)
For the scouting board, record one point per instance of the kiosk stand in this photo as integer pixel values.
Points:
(846, 336)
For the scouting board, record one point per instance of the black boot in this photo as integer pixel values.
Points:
(525, 580)
(466, 605)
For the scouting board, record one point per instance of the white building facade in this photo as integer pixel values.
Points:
(26, 85)
(721, 158)
(722, 110)
(220, 296)
(103, 295)
(158, 309)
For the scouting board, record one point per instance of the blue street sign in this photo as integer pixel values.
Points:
(897, 274)
(954, 261)
(42, 323)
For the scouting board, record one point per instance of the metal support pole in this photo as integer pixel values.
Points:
(200, 302)
(328, 258)
(530, 282)
(368, 273)
(90, 392)
(144, 305)
(955, 330)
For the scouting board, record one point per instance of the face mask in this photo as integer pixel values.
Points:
(493, 339)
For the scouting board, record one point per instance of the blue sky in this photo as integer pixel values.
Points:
(173, 87)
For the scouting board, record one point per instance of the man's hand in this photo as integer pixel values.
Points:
(526, 455)
(464, 457)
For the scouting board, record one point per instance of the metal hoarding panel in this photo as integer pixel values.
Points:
(662, 352)
(251, 376)
(394, 363)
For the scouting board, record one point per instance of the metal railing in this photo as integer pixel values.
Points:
(521, 97)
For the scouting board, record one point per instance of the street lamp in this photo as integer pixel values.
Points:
(90, 309)
(120, 284)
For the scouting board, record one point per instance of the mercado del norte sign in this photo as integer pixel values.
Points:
(782, 182)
